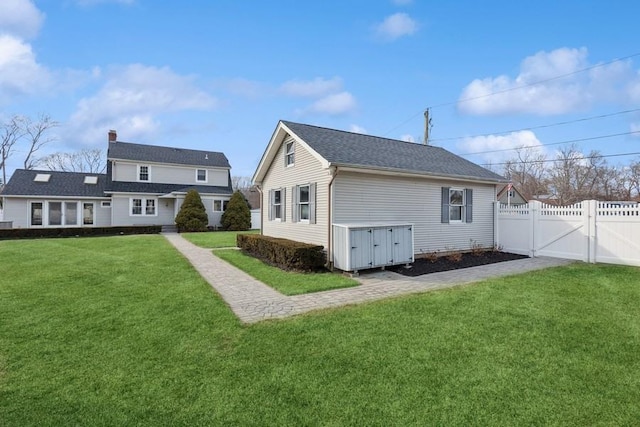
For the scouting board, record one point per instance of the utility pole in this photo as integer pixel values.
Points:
(427, 126)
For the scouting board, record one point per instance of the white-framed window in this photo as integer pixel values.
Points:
(303, 203)
(289, 154)
(457, 205)
(105, 204)
(201, 175)
(276, 204)
(144, 173)
(142, 207)
(36, 213)
(88, 213)
(220, 205)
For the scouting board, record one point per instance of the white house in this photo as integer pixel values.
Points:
(312, 178)
(144, 185)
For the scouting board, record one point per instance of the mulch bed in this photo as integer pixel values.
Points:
(425, 266)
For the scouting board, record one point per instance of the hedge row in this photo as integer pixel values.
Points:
(286, 254)
(34, 233)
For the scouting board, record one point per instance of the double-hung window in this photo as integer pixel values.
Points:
(457, 205)
(277, 204)
(220, 205)
(290, 154)
(201, 175)
(303, 204)
(143, 207)
(143, 173)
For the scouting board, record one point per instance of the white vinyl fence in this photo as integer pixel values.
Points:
(589, 231)
(255, 219)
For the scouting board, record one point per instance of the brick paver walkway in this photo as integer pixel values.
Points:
(253, 301)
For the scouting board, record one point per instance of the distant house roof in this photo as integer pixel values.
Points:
(157, 154)
(341, 148)
(59, 184)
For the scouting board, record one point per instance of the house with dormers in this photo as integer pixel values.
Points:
(315, 179)
(143, 185)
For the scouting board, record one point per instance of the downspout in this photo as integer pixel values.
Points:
(261, 210)
(334, 174)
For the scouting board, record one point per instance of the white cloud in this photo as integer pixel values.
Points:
(481, 144)
(20, 18)
(132, 98)
(396, 25)
(21, 73)
(311, 88)
(573, 92)
(408, 138)
(335, 104)
(357, 129)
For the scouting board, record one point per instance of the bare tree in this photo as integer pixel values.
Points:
(11, 132)
(527, 172)
(35, 131)
(91, 160)
(240, 182)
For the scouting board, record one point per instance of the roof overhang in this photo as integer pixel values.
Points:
(49, 197)
(278, 137)
(413, 174)
(182, 165)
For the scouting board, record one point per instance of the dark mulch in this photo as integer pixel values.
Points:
(424, 266)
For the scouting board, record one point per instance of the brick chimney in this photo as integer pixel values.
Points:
(113, 136)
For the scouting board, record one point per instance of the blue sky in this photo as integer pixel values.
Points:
(218, 75)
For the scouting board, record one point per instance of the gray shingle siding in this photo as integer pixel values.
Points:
(61, 184)
(343, 148)
(171, 155)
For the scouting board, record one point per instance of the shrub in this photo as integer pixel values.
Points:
(34, 233)
(283, 253)
(237, 215)
(476, 248)
(192, 215)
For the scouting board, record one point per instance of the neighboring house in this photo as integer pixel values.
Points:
(144, 185)
(509, 195)
(313, 177)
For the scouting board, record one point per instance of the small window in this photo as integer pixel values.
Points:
(136, 207)
(42, 177)
(456, 205)
(91, 180)
(277, 204)
(150, 207)
(303, 202)
(143, 173)
(105, 204)
(201, 175)
(220, 205)
(289, 154)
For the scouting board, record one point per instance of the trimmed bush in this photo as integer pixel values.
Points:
(192, 216)
(283, 253)
(237, 215)
(34, 233)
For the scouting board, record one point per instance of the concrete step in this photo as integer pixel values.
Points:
(169, 229)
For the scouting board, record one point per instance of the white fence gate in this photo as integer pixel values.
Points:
(255, 219)
(589, 231)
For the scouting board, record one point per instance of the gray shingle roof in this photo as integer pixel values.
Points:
(60, 184)
(155, 188)
(158, 154)
(353, 149)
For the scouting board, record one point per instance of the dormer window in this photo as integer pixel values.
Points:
(143, 173)
(201, 175)
(93, 180)
(289, 156)
(42, 177)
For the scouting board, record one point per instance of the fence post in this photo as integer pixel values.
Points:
(534, 211)
(590, 213)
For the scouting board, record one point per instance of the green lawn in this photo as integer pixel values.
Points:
(215, 239)
(121, 331)
(287, 282)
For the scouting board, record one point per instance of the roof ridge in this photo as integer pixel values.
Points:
(361, 134)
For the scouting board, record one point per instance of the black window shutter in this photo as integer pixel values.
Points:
(444, 214)
(468, 205)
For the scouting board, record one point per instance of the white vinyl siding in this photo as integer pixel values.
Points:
(170, 174)
(66, 213)
(121, 211)
(378, 198)
(307, 170)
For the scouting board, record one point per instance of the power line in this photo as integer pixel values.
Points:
(444, 104)
(553, 143)
(567, 158)
(585, 119)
